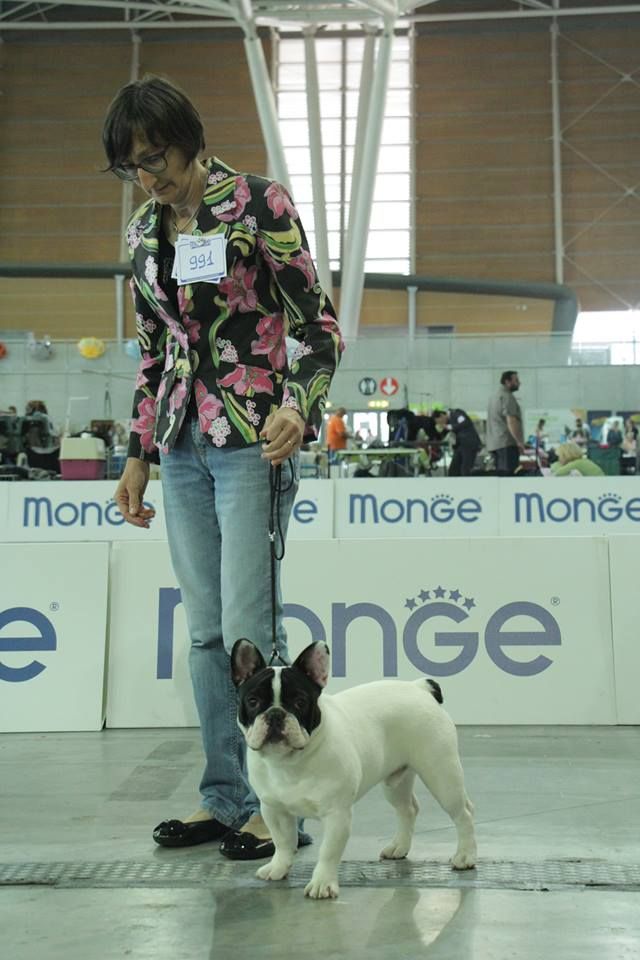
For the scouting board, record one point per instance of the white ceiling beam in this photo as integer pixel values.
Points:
(117, 25)
(601, 11)
(385, 8)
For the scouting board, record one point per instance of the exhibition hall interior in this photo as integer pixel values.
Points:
(319, 479)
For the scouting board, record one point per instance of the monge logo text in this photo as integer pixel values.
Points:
(369, 508)
(418, 638)
(534, 508)
(42, 512)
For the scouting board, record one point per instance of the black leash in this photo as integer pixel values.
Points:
(276, 538)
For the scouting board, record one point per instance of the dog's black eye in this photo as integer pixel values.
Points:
(252, 702)
(300, 703)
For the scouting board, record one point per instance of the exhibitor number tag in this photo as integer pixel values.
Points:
(200, 259)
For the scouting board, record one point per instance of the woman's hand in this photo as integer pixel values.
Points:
(130, 491)
(283, 431)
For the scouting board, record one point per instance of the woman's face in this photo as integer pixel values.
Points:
(170, 186)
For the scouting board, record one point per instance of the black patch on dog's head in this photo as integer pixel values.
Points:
(255, 695)
(436, 691)
(299, 695)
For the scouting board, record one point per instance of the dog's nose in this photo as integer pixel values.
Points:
(275, 717)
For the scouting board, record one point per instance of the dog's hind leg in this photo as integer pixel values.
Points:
(445, 780)
(398, 789)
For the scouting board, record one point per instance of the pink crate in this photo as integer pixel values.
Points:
(82, 469)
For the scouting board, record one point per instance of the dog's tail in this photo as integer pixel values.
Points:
(436, 691)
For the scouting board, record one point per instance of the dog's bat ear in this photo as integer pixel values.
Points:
(314, 663)
(246, 660)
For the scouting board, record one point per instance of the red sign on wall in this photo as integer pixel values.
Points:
(389, 386)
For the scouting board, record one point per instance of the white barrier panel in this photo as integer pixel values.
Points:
(569, 506)
(516, 632)
(4, 508)
(421, 508)
(623, 558)
(53, 622)
(148, 683)
(74, 511)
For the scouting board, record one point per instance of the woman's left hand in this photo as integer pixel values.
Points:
(283, 432)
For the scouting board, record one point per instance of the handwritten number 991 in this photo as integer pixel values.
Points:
(200, 260)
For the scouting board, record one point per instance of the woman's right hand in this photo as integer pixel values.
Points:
(130, 491)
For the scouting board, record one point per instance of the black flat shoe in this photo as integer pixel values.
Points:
(175, 833)
(246, 846)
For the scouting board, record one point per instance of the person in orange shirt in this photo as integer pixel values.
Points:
(337, 432)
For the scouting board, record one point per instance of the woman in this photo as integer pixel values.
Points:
(213, 382)
(572, 462)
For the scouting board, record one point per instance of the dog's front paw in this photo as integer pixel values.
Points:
(274, 870)
(464, 860)
(394, 851)
(322, 886)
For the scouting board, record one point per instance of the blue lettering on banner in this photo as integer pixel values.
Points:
(168, 600)
(41, 512)
(496, 636)
(46, 640)
(368, 508)
(533, 508)
(305, 511)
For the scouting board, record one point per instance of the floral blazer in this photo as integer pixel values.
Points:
(225, 342)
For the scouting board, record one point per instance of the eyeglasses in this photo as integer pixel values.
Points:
(154, 163)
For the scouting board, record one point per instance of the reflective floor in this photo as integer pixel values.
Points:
(557, 810)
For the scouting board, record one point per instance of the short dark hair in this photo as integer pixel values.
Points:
(156, 109)
(507, 375)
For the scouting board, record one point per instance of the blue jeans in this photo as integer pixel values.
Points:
(216, 503)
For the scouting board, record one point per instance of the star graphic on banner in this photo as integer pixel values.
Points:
(454, 595)
(411, 604)
(468, 603)
(425, 595)
(439, 592)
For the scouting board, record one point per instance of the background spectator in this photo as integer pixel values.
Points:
(504, 426)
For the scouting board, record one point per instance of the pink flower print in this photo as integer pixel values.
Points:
(288, 400)
(247, 381)
(329, 324)
(209, 407)
(178, 334)
(219, 431)
(146, 362)
(304, 263)
(241, 197)
(238, 288)
(185, 303)
(268, 259)
(271, 342)
(147, 325)
(144, 424)
(193, 329)
(178, 396)
(159, 293)
(278, 200)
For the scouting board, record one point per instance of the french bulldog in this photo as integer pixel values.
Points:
(314, 756)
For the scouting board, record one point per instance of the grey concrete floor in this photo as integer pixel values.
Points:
(542, 794)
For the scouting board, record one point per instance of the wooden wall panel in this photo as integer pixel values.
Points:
(382, 309)
(484, 178)
(56, 204)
